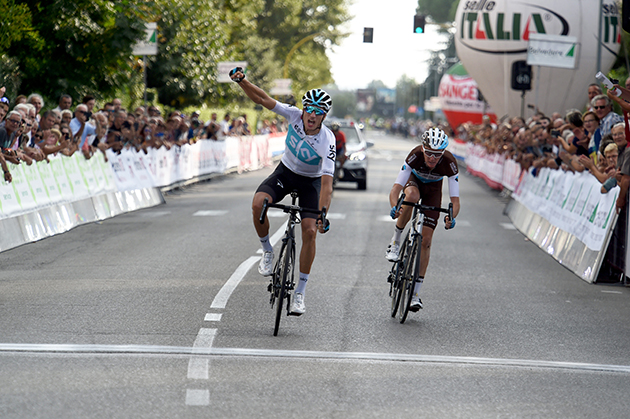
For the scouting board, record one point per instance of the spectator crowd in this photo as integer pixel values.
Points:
(28, 133)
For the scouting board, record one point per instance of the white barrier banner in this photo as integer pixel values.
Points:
(58, 170)
(9, 200)
(511, 174)
(36, 185)
(25, 197)
(570, 201)
(77, 182)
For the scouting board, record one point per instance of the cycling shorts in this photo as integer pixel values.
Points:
(282, 181)
(430, 195)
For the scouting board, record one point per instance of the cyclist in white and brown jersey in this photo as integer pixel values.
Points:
(421, 179)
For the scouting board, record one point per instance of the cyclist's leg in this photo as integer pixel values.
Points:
(309, 191)
(412, 194)
(432, 196)
(273, 188)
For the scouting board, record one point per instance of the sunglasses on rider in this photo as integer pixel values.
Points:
(433, 154)
(311, 109)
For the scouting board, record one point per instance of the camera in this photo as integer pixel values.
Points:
(555, 133)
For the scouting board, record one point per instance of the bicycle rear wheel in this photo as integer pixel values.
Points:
(397, 281)
(285, 267)
(408, 281)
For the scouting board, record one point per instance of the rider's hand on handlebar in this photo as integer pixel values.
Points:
(325, 227)
(448, 223)
(395, 212)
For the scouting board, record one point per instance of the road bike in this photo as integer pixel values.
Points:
(282, 279)
(406, 270)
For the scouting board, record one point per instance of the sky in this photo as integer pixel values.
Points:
(395, 51)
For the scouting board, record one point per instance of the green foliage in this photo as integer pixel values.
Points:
(440, 10)
(16, 25)
(82, 46)
(191, 42)
(85, 46)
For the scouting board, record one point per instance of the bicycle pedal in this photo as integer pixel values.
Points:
(270, 287)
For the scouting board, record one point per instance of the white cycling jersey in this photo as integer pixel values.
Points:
(306, 155)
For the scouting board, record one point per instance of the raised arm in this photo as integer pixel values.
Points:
(255, 93)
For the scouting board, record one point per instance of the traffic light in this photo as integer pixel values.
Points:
(418, 23)
(367, 35)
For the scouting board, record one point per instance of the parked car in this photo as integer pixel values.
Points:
(356, 164)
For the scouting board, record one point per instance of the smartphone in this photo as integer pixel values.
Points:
(555, 133)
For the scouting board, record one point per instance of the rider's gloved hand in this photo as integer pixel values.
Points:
(393, 212)
(452, 224)
(236, 70)
(326, 225)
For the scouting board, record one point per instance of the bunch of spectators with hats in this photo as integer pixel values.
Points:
(593, 140)
(30, 134)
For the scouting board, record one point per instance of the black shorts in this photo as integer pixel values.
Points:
(430, 195)
(282, 181)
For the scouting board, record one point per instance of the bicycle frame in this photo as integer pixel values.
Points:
(406, 271)
(282, 279)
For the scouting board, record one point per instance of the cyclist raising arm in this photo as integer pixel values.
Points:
(421, 178)
(307, 165)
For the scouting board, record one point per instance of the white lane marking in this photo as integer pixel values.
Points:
(612, 292)
(507, 226)
(220, 300)
(104, 350)
(336, 216)
(275, 213)
(212, 317)
(198, 366)
(210, 213)
(154, 214)
(203, 342)
(197, 397)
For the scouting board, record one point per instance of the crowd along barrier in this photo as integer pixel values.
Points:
(563, 213)
(48, 198)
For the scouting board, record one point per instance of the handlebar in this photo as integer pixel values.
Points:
(448, 211)
(289, 208)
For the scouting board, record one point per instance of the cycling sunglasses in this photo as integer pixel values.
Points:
(433, 154)
(311, 109)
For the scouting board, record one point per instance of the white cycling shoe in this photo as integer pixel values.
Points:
(416, 304)
(265, 267)
(297, 305)
(393, 252)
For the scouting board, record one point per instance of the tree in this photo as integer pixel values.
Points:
(192, 40)
(78, 46)
(440, 10)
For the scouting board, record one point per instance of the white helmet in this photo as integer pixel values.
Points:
(435, 139)
(318, 98)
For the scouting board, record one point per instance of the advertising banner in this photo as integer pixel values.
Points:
(552, 50)
(492, 35)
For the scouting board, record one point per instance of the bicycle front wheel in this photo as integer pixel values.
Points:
(285, 264)
(407, 285)
(397, 279)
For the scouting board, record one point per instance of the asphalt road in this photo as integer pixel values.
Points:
(161, 313)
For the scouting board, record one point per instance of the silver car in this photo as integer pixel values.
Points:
(356, 164)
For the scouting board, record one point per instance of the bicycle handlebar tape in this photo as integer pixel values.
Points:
(234, 71)
(263, 213)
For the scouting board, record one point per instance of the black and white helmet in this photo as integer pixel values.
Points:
(435, 139)
(318, 98)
